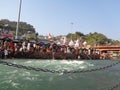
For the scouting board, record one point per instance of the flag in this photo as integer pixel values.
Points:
(10, 32)
(65, 41)
(49, 35)
(71, 43)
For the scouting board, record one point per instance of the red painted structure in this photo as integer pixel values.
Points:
(6, 36)
(107, 48)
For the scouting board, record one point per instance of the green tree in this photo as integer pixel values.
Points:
(96, 39)
(75, 36)
(23, 26)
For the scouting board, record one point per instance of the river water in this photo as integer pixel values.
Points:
(12, 78)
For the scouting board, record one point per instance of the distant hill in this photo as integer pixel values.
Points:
(11, 25)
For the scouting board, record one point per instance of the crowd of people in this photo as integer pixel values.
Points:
(39, 50)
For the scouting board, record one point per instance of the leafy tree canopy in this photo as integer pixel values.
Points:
(93, 38)
(11, 25)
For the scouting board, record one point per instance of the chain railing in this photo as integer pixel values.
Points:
(57, 71)
(114, 87)
(62, 71)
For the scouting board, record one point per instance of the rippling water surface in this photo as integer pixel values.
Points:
(12, 78)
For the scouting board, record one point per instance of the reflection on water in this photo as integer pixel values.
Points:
(19, 79)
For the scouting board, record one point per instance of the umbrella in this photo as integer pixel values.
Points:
(16, 41)
(6, 39)
(71, 43)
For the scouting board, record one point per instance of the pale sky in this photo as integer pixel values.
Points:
(56, 16)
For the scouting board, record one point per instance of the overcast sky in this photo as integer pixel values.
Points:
(60, 17)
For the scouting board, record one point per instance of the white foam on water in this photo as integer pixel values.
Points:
(82, 67)
(89, 64)
(29, 62)
(67, 65)
(9, 81)
(60, 74)
(58, 65)
(70, 77)
(26, 74)
(70, 65)
(6, 81)
(72, 62)
(12, 72)
(30, 78)
(15, 84)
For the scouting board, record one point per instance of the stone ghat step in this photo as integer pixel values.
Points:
(42, 55)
